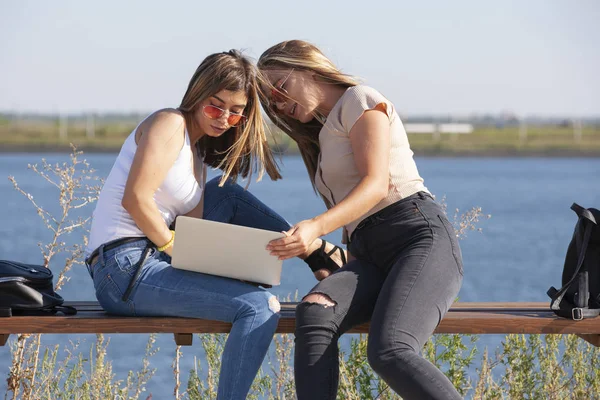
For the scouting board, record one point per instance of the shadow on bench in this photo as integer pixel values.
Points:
(475, 318)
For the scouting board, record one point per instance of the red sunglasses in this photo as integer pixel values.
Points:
(214, 112)
(279, 94)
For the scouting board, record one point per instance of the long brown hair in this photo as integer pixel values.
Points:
(242, 149)
(301, 56)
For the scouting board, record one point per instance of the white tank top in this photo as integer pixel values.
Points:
(179, 193)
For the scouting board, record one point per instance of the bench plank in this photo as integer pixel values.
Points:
(95, 306)
(474, 318)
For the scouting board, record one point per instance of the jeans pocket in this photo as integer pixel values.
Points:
(456, 252)
(399, 212)
(110, 297)
(128, 258)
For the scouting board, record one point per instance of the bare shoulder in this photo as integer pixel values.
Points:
(165, 123)
(167, 117)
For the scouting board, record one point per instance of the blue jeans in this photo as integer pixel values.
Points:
(162, 290)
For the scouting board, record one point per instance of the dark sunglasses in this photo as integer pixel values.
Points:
(214, 112)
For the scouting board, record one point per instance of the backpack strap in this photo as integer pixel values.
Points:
(561, 306)
(138, 269)
(583, 213)
(38, 312)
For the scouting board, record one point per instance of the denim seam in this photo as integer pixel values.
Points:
(417, 277)
(141, 282)
(238, 373)
(433, 381)
(412, 286)
(452, 246)
(103, 283)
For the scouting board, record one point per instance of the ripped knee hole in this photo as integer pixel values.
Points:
(274, 305)
(318, 298)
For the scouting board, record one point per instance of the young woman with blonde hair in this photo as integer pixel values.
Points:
(405, 266)
(159, 174)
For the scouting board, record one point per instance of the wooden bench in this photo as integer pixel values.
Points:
(475, 318)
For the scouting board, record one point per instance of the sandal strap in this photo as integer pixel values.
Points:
(335, 248)
(320, 259)
(343, 255)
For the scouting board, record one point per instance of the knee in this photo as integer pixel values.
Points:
(213, 183)
(316, 311)
(319, 298)
(261, 305)
(229, 185)
(381, 355)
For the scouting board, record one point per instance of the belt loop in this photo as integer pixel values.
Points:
(89, 267)
(424, 195)
(98, 257)
(101, 255)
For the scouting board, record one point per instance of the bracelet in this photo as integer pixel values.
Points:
(168, 244)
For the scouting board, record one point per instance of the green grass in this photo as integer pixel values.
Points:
(540, 140)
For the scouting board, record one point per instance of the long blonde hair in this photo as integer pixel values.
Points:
(301, 56)
(241, 149)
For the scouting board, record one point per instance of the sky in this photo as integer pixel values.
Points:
(461, 57)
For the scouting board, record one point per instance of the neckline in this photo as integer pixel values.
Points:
(338, 103)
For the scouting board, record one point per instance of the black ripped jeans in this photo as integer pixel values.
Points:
(406, 276)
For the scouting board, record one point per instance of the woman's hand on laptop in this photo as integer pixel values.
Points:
(297, 241)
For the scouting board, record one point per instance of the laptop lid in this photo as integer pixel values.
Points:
(227, 250)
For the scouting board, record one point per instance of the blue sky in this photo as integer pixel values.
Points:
(432, 57)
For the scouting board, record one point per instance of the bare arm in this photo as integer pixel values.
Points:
(160, 142)
(370, 139)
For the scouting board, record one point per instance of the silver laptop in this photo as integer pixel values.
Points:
(225, 250)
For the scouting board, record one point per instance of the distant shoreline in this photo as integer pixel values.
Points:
(549, 153)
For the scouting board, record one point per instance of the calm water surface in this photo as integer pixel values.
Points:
(516, 257)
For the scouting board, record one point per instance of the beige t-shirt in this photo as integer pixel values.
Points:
(337, 173)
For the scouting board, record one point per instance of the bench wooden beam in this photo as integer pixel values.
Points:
(591, 339)
(183, 339)
(473, 318)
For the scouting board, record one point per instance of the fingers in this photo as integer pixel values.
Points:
(292, 250)
(288, 242)
(293, 245)
(283, 241)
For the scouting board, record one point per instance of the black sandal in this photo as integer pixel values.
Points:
(319, 259)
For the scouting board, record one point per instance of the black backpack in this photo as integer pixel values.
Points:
(28, 290)
(579, 296)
